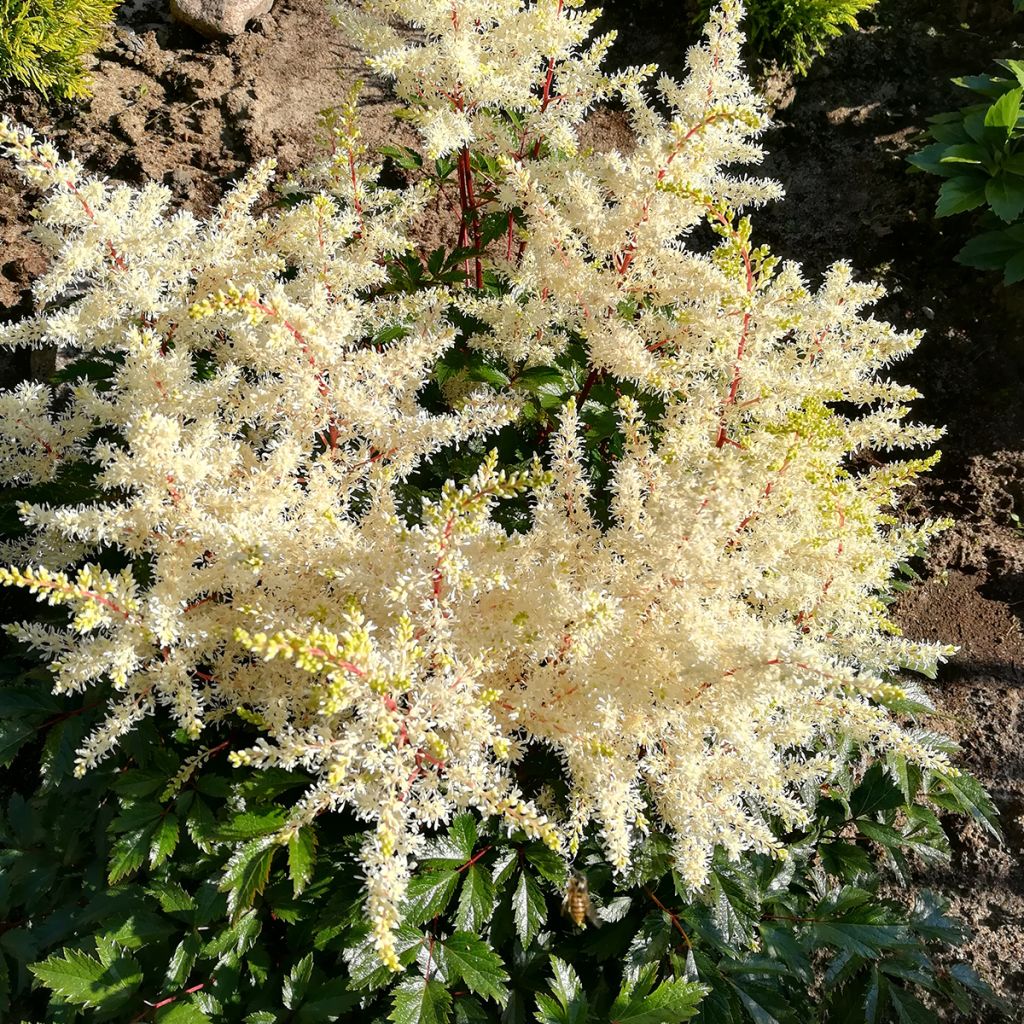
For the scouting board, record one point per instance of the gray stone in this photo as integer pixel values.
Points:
(218, 18)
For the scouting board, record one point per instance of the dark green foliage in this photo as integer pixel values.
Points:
(158, 888)
(978, 150)
(42, 42)
(794, 32)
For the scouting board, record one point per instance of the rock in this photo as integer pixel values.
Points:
(217, 18)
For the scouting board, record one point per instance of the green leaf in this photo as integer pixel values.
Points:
(528, 907)
(992, 249)
(201, 825)
(968, 153)
(1005, 111)
(456, 845)
(845, 860)
(766, 1005)
(930, 159)
(182, 960)
(884, 835)
(329, 1001)
(165, 839)
(246, 874)
(471, 959)
(403, 156)
(650, 943)
(1005, 194)
(428, 895)
(549, 864)
(735, 908)
(909, 1009)
(968, 977)
(128, 854)
(476, 900)
(570, 1004)
(503, 867)
(13, 736)
(966, 794)
(959, 195)
(864, 940)
(876, 792)
(546, 382)
(172, 897)
(418, 1002)
(251, 825)
(1013, 163)
(301, 857)
(489, 375)
(182, 1013)
(294, 987)
(78, 978)
(671, 1002)
(364, 967)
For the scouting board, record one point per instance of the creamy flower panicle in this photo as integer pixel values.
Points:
(256, 426)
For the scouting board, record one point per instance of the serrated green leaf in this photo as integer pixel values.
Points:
(864, 940)
(293, 989)
(671, 1002)
(876, 792)
(764, 1004)
(488, 374)
(128, 854)
(172, 897)
(79, 978)
(182, 1013)
(476, 900)
(164, 841)
(909, 1009)
(471, 959)
(969, 796)
(549, 864)
(735, 908)
(364, 967)
(416, 1001)
(246, 874)
(182, 960)
(428, 895)
(301, 857)
(251, 825)
(569, 1005)
(649, 944)
(503, 868)
(201, 825)
(13, 736)
(529, 907)
(456, 845)
(329, 1001)
(844, 860)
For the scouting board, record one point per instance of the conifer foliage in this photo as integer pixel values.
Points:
(42, 42)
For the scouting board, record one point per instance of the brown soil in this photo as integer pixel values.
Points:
(172, 107)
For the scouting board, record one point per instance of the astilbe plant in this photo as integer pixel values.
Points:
(675, 582)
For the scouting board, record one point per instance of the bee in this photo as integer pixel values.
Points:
(576, 905)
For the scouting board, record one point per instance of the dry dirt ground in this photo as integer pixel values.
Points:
(172, 107)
